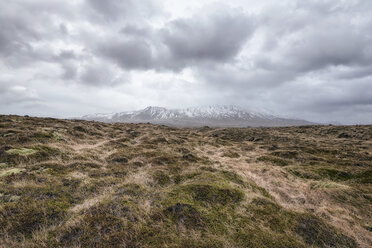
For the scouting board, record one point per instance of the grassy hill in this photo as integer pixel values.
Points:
(66, 183)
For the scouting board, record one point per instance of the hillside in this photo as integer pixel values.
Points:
(69, 183)
(214, 116)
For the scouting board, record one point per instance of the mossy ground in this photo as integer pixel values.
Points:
(67, 183)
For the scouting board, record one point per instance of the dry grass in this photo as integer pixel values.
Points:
(66, 183)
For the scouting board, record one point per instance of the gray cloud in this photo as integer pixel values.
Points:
(15, 36)
(309, 59)
(11, 92)
(207, 37)
(318, 34)
(213, 36)
(119, 10)
(100, 74)
(24, 26)
(129, 54)
(136, 31)
(307, 63)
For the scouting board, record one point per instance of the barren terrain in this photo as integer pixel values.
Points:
(67, 183)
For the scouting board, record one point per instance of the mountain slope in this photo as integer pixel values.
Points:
(216, 116)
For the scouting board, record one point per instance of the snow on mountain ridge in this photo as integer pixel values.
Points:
(218, 115)
(217, 111)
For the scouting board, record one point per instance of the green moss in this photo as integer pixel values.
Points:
(33, 153)
(14, 198)
(12, 171)
(21, 151)
(59, 136)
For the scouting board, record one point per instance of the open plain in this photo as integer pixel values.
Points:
(70, 183)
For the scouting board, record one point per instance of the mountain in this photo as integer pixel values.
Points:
(214, 116)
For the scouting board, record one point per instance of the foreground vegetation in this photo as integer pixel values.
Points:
(66, 183)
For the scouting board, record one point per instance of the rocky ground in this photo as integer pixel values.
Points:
(66, 183)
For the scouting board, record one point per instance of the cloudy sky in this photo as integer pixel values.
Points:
(304, 59)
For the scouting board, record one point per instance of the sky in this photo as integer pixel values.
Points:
(301, 59)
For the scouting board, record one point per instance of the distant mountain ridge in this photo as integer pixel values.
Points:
(214, 116)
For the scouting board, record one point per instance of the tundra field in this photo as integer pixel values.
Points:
(70, 183)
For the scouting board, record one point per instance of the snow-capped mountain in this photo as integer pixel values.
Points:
(215, 116)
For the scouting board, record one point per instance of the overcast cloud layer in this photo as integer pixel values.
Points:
(303, 59)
